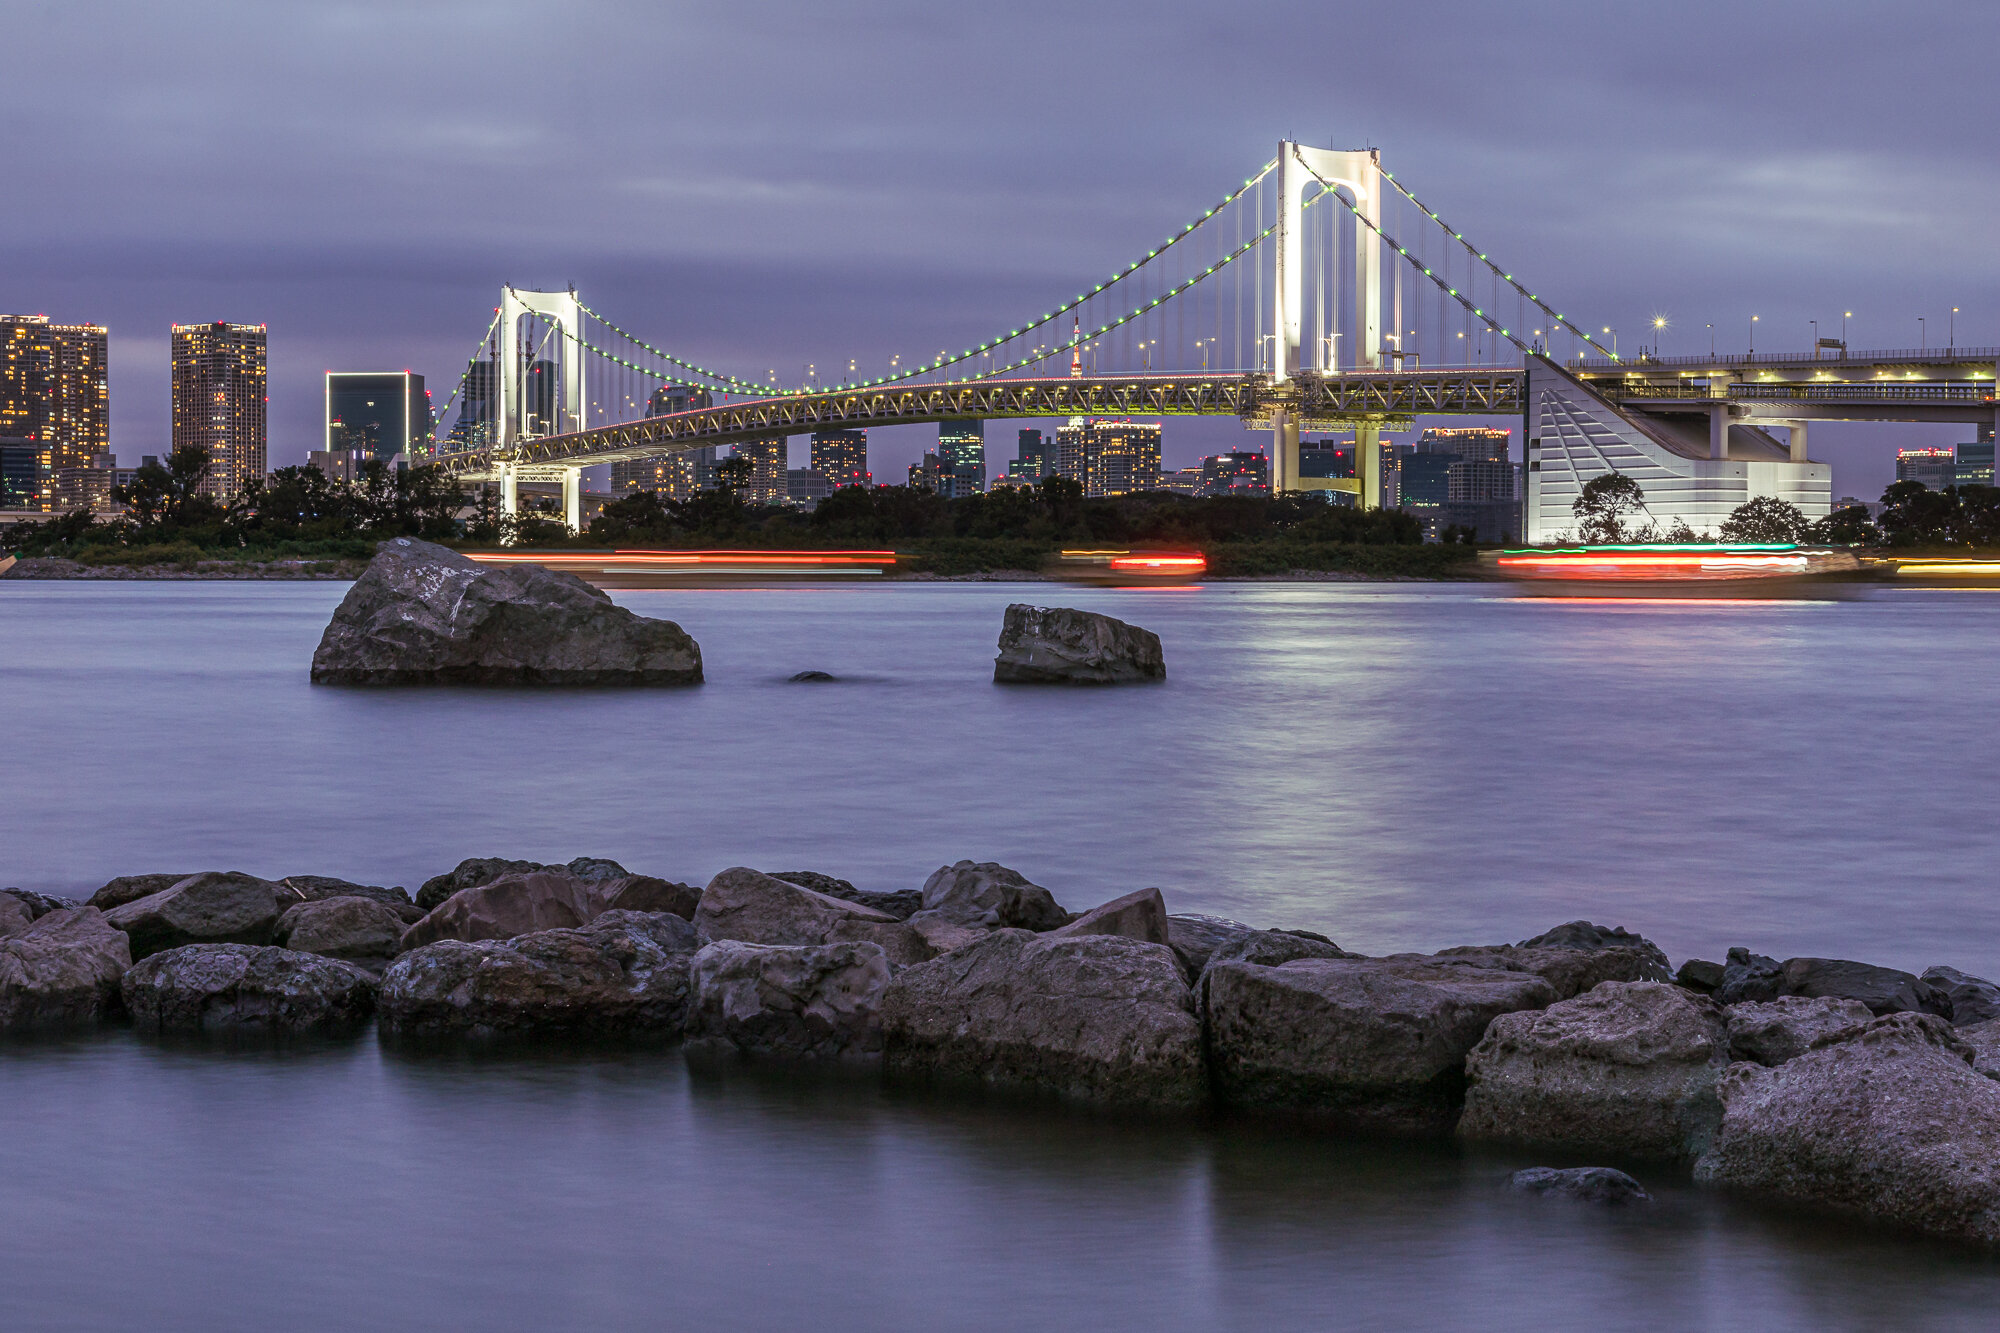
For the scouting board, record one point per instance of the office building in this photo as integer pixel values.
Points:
(667, 399)
(841, 456)
(1240, 472)
(806, 487)
(54, 403)
(342, 465)
(476, 405)
(1340, 458)
(1425, 480)
(1022, 473)
(1034, 456)
(1975, 462)
(219, 400)
(1480, 481)
(1110, 457)
(378, 415)
(1181, 481)
(1473, 443)
(1935, 468)
(961, 456)
(927, 474)
(675, 476)
(766, 484)
(87, 487)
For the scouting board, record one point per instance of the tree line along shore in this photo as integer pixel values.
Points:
(1853, 1088)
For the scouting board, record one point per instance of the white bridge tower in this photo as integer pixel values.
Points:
(514, 426)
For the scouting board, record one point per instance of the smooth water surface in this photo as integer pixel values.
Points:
(1400, 766)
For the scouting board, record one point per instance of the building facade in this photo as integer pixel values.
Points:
(675, 476)
(1110, 457)
(55, 404)
(805, 487)
(767, 483)
(219, 400)
(378, 415)
(1935, 468)
(841, 456)
(961, 454)
(1034, 456)
(1240, 472)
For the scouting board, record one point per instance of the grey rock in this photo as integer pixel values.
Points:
(1700, 976)
(213, 907)
(1890, 1124)
(1973, 999)
(1883, 989)
(1089, 1018)
(748, 905)
(1570, 971)
(38, 904)
(1771, 1032)
(1628, 1068)
(1195, 937)
(985, 893)
(1141, 915)
(1750, 976)
(1041, 645)
(319, 888)
(941, 934)
(810, 677)
(899, 903)
(644, 893)
(796, 1002)
(470, 874)
(1373, 1044)
(623, 975)
(1588, 938)
(596, 867)
(1984, 1039)
(422, 614)
(246, 988)
(131, 888)
(15, 915)
(62, 971)
(359, 930)
(1585, 1184)
(509, 906)
(1271, 948)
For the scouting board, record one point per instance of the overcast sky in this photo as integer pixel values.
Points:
(756, 185)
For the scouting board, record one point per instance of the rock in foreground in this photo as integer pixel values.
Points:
(1044, 645)
(1891, 1123)
(1089, 1018)
(623, 975)
(422, 614)
(798, 1002)
(1586, 1184)
(62, 971)
(246, 988)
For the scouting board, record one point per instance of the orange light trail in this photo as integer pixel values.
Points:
(683, 559)
(1160, 564)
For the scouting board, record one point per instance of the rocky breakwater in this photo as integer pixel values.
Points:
(1054, 645)
(422, 614)
(246, 989)
(59, 968)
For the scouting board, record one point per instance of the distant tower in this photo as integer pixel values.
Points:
(1075, 348)
(219, 402)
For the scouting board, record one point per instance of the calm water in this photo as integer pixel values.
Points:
(1398, 766)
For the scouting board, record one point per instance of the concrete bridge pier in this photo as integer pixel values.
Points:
(510, 495)
(1368, 464)
(572, 498)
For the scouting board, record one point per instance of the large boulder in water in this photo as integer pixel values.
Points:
(1090, 1018)
(509, 906)
(214, 907)
(358, 930)
(1626, 1069)
(62, 971)
(1054, 645)
(1371, 1044)
(1890, 1124)
(422, 614)
(985, 893)
(246, 988)
(751, 906)
(623, 975)
(796, 1002)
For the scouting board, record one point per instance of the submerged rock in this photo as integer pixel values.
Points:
(985, 893)
(798, 1002)
(1371, 1044)
(623, 975)
(1890, 1124)
(1628, 1068)
(1585, 1184)
(422, 614)
(61, 971)
(509, 906)
(811, 677)
(245, 988)
(1088, 1018)
(1041, 645)
(213, 907)
(1771, 1032)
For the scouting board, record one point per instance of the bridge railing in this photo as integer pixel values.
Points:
(1917, 354)
(1822, 393)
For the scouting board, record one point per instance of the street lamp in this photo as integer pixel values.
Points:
(1951, 338)
(1845, 315)
(1923, 344)
(1711, 340)
(1753, 335)
(1659, 322)
(1614, 341)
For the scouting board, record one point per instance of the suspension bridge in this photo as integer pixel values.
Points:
(1320, 294)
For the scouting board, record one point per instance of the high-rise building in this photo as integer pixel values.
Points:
(1426, 479)
(1935, 468)
(1975, 461)
(962, 457)
(766, 484)
(1340, 458)
(378, 415)
(20, 476)
(219, 400)
(667, 399)
(1480, 481)
(928, 474)
(1182, 481)
(1033, 456)
(54, 402)
(1472, 443)
(676, 476)
(1240, 472)
(476, 406)
(1110, 457)
(806, 487)
(841, 456)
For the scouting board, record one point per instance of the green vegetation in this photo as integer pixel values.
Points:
(1914, 517)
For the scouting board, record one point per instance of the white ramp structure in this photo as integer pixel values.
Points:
(1696, 468)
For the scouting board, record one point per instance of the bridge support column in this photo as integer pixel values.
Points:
(1284, 453)
(1795, 435)
(572, 493)
(1368, 464)
(510, 494)
(1718, 431)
